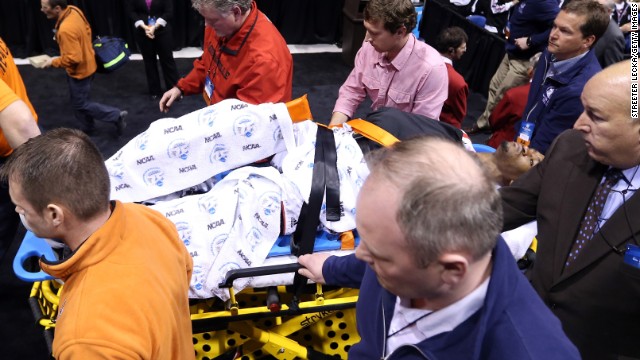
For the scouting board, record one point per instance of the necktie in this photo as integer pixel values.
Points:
(148, 4)
(591, 217)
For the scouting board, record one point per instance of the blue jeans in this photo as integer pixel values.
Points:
(86, 110)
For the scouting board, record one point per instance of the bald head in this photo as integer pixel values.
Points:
(612, 137)
(616, 76)
(620, 71)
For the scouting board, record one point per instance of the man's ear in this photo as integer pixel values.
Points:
(55, 214)
(402, 30)
(237, 12)
(454, 267)
(589, 41)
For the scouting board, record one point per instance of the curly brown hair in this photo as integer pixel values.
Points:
(393, 13)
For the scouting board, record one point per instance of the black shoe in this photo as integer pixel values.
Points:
(121, 124)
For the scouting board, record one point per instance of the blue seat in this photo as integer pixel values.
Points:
(478, 20)
(482, 148)
(416, 30)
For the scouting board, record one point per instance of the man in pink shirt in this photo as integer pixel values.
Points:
(392, 67)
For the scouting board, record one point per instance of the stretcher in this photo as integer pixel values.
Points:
(266, 320)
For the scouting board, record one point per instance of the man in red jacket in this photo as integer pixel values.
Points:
(451, 43)
(245, 57)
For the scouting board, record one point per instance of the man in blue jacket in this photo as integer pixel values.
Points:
(529, 25)
(436, 281)
(566, 65)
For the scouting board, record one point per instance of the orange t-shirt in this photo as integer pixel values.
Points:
(11, 89)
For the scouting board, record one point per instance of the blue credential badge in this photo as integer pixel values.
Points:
(525, 133)
(208, 89)
(632, 256)
(151, 21)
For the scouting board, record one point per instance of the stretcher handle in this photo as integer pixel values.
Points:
(257, 271)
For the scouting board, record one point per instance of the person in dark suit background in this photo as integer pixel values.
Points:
(610, 47)
(153, 37)
(594, 292)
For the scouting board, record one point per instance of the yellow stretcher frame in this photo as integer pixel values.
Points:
(323, 325)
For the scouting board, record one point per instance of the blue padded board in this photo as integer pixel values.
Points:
(324, 242)
(482, 148)
(32, 246)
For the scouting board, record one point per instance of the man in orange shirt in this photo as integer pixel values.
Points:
(77, 57)
(126, 280)
(17, 125)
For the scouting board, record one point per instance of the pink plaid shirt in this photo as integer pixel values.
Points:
(415, 81)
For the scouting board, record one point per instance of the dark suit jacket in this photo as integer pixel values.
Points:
(598, 298)
(610, 47)
(138, 10)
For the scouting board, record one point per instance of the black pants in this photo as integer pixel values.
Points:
(162, 46)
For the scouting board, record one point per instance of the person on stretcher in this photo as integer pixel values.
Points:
(251, 205)
(509, 161)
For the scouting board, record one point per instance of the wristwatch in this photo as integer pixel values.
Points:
(529, 41)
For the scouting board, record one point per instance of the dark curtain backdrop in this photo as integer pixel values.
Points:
(485, 50)
(27, 31)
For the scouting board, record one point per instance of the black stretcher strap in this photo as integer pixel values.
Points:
(332, 180)
(325, 176)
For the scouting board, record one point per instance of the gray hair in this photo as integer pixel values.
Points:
(448, 203)
(223, 6)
